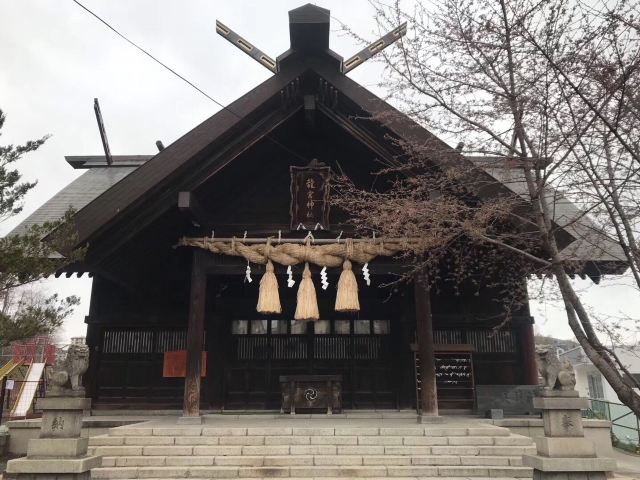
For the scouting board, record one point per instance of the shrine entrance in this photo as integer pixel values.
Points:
(260, 351)
(366, 349)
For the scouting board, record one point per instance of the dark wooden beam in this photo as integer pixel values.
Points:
(223, 265)
(358, 132)
(424, 332)
(189, 205)
(195, 333)
(271, 230)
(103, 131)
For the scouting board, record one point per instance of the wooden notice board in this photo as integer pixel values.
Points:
(310, 196)
(175, 364)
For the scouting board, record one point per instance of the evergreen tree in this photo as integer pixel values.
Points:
(27, 257)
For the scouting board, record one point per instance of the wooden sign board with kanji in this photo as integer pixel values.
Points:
(310, 197)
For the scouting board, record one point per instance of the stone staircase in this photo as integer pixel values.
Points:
(310, 452)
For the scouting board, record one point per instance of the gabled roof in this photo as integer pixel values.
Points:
(84, 189)
(107, 196)
(118, 161)
(245, 114)
(592, 242)
(202, 140)
(241, 116)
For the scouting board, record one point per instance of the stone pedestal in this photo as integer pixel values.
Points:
(59, 453)
(563, 452)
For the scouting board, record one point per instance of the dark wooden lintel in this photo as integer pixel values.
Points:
(221, 265)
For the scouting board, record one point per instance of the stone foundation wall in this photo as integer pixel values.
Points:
(598, 431)
(21, 431)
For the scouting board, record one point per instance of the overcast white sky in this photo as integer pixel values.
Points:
(55, 58)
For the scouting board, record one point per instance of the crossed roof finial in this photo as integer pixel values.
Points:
(309, 31)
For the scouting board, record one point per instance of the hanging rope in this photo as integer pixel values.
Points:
(329, 255)
(268, 296)
(288, 254)
(307, 303)
(347, 294)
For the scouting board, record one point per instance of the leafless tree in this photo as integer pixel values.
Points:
(545, 97)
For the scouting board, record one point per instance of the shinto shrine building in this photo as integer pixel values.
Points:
(160, 313)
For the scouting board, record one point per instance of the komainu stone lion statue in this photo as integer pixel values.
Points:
(557, 375)
(65, 376)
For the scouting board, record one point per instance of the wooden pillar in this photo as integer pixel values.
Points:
(94, 341)
(94, 337)
(424, 332)
(195, 333)
(527, 342)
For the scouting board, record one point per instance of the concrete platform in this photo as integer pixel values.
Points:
(357, 443)
(598, 431)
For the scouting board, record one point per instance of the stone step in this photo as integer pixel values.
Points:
(308, 471)
(381, 478)
(276, 440)
(416, 452)
(276, 450)
(307, 460)
(193, 431)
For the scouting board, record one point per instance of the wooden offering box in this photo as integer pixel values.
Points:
(311, 392)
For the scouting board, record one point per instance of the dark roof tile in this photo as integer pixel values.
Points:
(77, 194)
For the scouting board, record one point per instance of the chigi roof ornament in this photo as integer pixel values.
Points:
(377, 46)
(309, 32)
(248, 48)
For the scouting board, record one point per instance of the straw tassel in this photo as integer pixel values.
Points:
(268, 296)
(307, 306)
(347, 296)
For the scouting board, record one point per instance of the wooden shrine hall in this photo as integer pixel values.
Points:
(178, 244)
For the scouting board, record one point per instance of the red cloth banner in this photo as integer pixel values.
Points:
(175, 364)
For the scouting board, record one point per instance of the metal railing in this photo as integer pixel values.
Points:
(625, 425)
